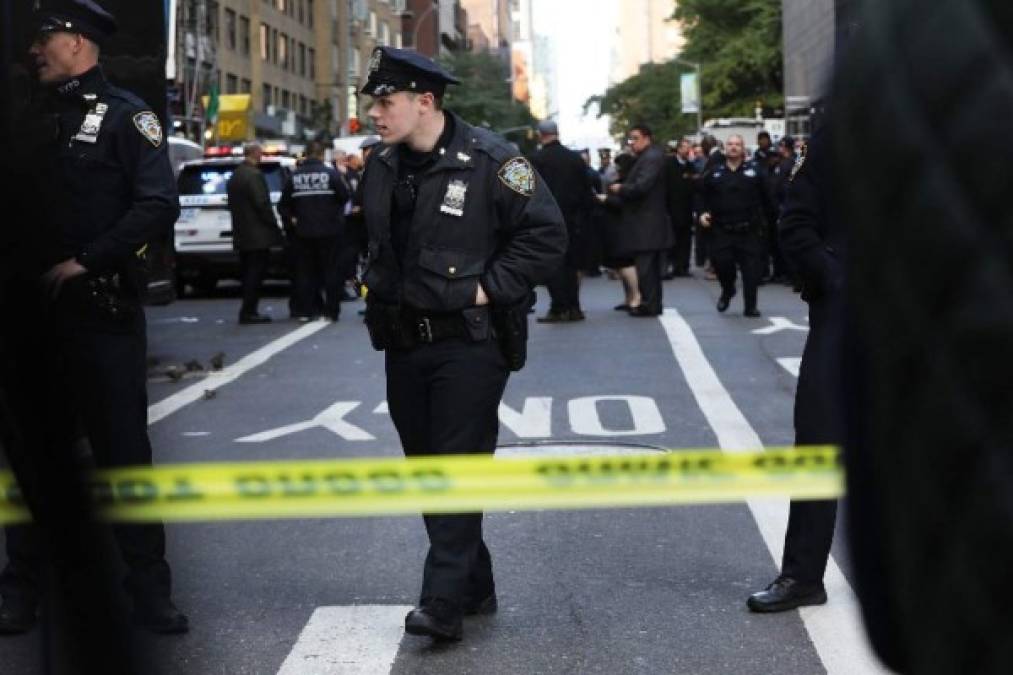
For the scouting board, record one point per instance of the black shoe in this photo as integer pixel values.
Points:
(751, 312)
(787, 593)
(563, 316)
(17, 615)
(159, 615)
(577, 315)
(723, 302)
(622, 307)
(248, 319)
(488, 605)
(642, 311)
(438, 619)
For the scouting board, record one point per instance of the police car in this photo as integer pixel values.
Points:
(203, 233)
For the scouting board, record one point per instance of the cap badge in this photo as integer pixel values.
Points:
(518, 175)
(453, 201)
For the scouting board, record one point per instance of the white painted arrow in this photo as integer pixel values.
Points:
(333, 419)
(778, 324)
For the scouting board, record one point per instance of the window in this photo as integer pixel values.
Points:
(313, 63)
(302, 11)
(353, 62)
(291, 55)
(302, 59)
(274, 46)
(280, 5)
(372, 24)
(309, 13)
(267, 97)
(245, 86)
(265, 53)
(397, 39)
(384, 34)
(244, 36)
(285, 100)
(230, 29)
(231, 83)
(302, 105)
(283, 51)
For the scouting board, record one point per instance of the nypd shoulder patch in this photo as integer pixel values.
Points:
(518, 175)
(149, 126)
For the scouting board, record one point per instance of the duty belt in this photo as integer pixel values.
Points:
(430, 328)
(736, 226)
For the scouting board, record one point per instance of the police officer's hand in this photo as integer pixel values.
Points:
(705, 219)
(65, 271)
(480, 297)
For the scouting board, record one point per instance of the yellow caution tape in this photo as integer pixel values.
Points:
(448, 484)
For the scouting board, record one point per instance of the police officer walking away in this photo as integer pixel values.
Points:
(111, 191)
(312, 207)
(254, 232)
(735, 205)
(566, 175)
(814, 243)
(461, 229)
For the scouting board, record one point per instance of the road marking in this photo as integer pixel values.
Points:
(791, 364)
(217, 379)
(332, 419)
(534, 419)
(352, 640)
(835, 628)
(778, 324)
(585, 421)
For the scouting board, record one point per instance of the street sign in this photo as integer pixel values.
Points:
(690, 91)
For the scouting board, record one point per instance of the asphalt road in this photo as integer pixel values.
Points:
(658, 590)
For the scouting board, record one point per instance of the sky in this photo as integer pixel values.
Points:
(582, 34)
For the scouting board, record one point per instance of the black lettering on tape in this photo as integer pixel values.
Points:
(558, 475)
(298, 487)
(253, 486)
(387, 481)
(183, 490)
(431, 480)
(134, 491)
(342, 483)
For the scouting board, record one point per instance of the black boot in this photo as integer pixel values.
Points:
(437, 618)
(158, 615)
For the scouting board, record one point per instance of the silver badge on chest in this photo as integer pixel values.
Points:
(88, 133)
(453, 201)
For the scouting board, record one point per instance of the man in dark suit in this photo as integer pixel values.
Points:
(566, 175)
(645, 217)
(680, 174)
(254, 229)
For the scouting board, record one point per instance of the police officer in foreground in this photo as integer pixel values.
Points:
(461, 228)
(112, 191)
(814, 243)
(735, 207)
(312, 207)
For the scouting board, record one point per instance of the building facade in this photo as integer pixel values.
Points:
(489, 26)
(435, 28)
(645, 33)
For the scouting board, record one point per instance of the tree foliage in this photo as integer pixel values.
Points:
(737, 43)
(484, 98)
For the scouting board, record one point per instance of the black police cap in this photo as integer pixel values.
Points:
(76, 16)
(392, 70)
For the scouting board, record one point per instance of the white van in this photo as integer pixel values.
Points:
(203, 233)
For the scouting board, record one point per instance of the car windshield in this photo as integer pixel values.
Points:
(211, 179)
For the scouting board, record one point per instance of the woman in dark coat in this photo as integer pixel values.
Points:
(617, 254)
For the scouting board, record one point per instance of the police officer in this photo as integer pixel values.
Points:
(111, 191)
(814, 243)
(312, 207)
(461, 228)
(735, 205)
(566, 175)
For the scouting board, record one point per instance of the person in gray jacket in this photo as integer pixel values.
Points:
(254, 229)
(645, 221)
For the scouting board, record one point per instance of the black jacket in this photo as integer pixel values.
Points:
(481, 214)
(315, 197)
(111, 192)
(644, 195)
(254, 226)
(566, 175)
(738, 196)
(681, 187)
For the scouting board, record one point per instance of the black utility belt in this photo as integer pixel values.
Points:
(393, 327)
(737, 226)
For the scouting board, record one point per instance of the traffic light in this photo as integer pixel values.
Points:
(353, 125)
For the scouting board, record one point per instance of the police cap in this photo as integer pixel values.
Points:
(392, 70)
(369, 142)
(76, 16)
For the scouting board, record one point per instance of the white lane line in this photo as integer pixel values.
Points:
(835, 628)
(214, 380)
(352, 640)
(791, 364)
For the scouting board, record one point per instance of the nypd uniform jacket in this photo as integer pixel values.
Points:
(734, 198)
(114, 189)
(482, 214)
(316, 196)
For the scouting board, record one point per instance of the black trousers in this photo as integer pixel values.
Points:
(252, 270)
(564, 288)
(744, 250)
(318, 275)
(96, 376)
(683, 230)
(702, 248)
(819, 419)
(444, 399)
(650, 267)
